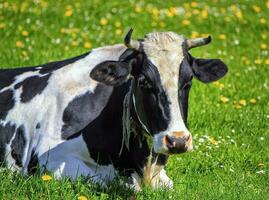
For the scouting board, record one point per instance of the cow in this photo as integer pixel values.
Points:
(145, 118)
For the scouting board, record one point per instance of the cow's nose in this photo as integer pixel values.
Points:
(178, 142)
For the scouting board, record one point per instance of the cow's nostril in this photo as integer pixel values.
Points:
(170, 143)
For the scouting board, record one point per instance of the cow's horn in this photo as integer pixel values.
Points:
(132, 44)
(198, 42)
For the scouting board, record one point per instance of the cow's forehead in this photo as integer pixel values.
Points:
(165, 51)
(159, 42)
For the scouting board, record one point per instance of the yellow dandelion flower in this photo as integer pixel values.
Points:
(103, 21)
(247, 62)
(221, 85)
(46, 177)
(62, 30)
(19, 44)
(173, 10)
(264, 36)
(195, 11)
(239, 14)
(188, 14)
(186, 22)
(267, 4)
(194, 4)
(213, 141)
(75, 43)
(82, 197)
(155, 11)
(6, 4)
(262, 21)
(215, 83)
(25, 33)
(204, 14)
(224, 99)
(234, 8)
(194, 34)
(44, 4)
(24, 53)
(118, 31)
(117, 24)
(253, 101)
(186, 5)
(138, 9)
(243, 58)
(237, 106)
(218, 84)
(169, 13)
(2, 25)
(68, 12)
(257, 9)
(162, 24)
(222, 37)
(87, 45)
(263, 46)
(266, 61)
(243, 102)
(258, 61)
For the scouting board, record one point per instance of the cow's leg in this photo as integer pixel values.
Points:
(134, 182)
(72, 167)
(71, 159)
(162, 180)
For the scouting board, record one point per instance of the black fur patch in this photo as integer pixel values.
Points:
(184, 82)
(38, 126)
(6, 133)
(103, 137)
(7, 76)
(81, 110)
(32, 86)
(33, 164)
(18, 145)
(6, 103)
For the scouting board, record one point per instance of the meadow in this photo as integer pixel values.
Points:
(229, 119)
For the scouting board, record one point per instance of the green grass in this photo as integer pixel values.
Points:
(237, 167)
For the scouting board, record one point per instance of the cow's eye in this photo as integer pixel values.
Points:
(143, 82)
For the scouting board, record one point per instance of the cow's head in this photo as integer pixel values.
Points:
(163, 69)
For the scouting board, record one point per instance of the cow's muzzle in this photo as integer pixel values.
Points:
(174, 143)
(178, 144)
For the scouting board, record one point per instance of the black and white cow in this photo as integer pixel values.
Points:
(145, 117)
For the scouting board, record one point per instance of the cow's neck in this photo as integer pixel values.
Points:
(153, 163)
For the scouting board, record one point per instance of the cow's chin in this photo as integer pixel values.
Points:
(161, 147)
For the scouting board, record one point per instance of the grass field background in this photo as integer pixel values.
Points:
(228, 119)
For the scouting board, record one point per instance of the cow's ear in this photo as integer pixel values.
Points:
(208, 70)
(111, 72)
